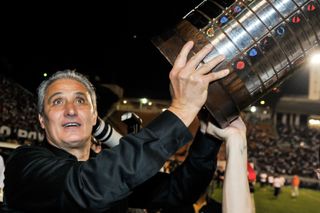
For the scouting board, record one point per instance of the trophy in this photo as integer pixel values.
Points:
(264, 42)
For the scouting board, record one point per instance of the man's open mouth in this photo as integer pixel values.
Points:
(71, 124)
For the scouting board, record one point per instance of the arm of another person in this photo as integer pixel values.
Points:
(186, 183)
(236, 195)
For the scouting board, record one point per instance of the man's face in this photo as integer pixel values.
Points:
(69, 115)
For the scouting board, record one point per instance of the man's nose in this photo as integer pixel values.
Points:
(70, 109)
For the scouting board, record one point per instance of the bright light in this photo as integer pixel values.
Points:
(150, 103)
(262, 102)
(164, 109)
(314, 122)
(45, 74)
(143, 100)
(253, 109)
(315, 59)
(124, 101)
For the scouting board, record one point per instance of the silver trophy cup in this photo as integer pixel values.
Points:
(264, 42)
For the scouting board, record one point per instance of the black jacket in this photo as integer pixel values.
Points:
(48, 179)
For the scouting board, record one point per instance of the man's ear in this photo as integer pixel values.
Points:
(41, 120)
(95, 117)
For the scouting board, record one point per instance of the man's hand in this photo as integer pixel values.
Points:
(237, 128)
(189, 81)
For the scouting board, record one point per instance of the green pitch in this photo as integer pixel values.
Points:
(307, 202)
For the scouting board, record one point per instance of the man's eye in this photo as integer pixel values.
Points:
(57, 101)
(80, 100)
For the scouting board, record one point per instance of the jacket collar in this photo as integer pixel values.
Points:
(57, 151)
(62, 153)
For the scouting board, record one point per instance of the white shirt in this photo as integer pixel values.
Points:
(1, 178)
(277, 182)
(1, 172)
(263, 177)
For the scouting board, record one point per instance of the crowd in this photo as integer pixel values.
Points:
(17, 107)
(288, 151)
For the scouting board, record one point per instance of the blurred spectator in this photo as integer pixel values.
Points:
(220, 176)
(2, 167)
(277, 183)
(317, 171)
(252, 177)
(263, 179)
(295, 186)
(270, 180)
(282, 180)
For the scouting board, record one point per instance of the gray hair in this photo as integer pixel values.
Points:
(65, 74)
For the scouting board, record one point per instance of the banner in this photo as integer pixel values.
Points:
(7, 132)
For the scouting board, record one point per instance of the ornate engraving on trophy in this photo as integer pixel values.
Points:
(264, 41)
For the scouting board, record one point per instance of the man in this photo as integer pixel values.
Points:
(64, 176)
(295, 183)
(2, 167)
